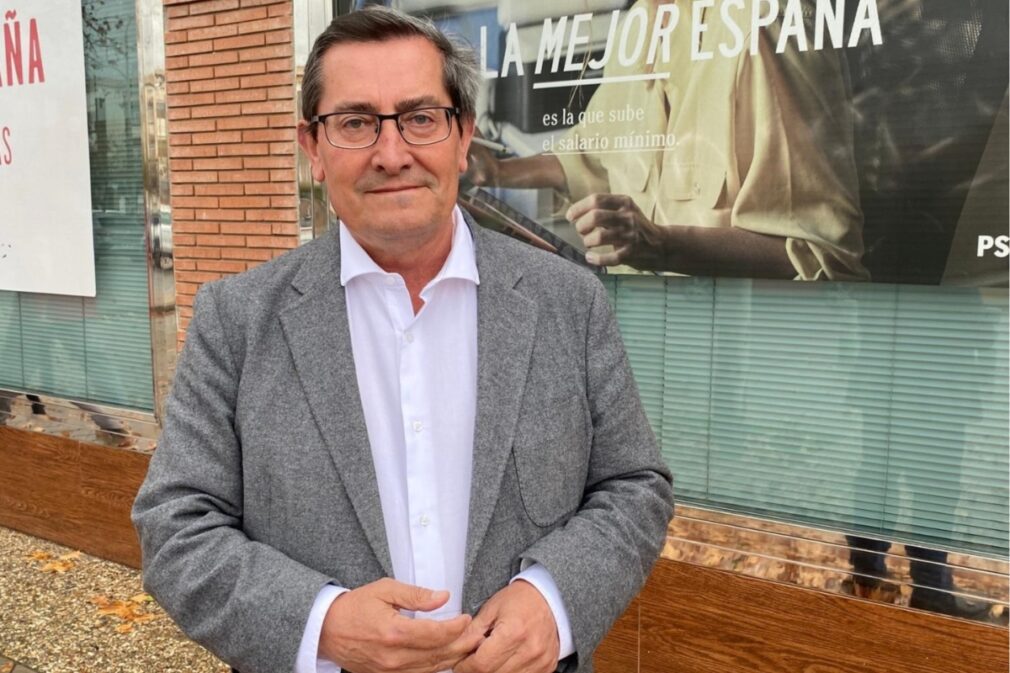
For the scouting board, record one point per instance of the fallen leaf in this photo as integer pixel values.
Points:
(7, 668)
(141, 599)
(124, 628)
(40, 556)
(72, 556)
(58, 567)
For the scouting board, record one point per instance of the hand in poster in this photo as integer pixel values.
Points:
(364, 631)
(523, 637)
(615, 220)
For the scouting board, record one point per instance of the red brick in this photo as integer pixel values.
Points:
(194, 176)
(214, 84)
(243, 150)
(278, 65)
(282, 175)
(272, 242)
(187, 22)
(192, 126)
(284, 228)
(281, 92)
(221, 266)
(192, 151)
(239, 15)
(220, 240)
(272, 215)
(191, 99)
(274, 24)
(206, 111)
(237, 69)
(183, 240)
(213, 32)
(277, 37)
(212, 6)
(282, 148)
(229, 164)
(182, 214)
(175, 12)
(189, 74)
(195, 227)
(177, 113)
(178, 62)
(184, 264)
(241, 95)
(181, 190)
(282, 9)
(176, 37)
(178, 138)
(192, 252)
(282, 120)
(174, 88)
(246, 228)
(219, 190)
(214, 58)
(178, 165)
(219, 214)
(216, 138)
(195, 276)
(257, 3)
(246, 176)
(240, 42)
(276, 188)
(285, 107)
(187, 48)
(270, 52)
(273, 79)
(183, 290)
(254, 254)
(196, 202)
(284, 201)
(254, 122)
(270, 162)
(245, 202)
(269, 135)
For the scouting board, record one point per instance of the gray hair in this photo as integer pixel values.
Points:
(460, 73)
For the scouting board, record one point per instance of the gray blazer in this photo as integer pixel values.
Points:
(262, 488)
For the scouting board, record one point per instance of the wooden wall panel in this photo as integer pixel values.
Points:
(76, 494)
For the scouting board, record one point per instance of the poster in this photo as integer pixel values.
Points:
(850, 140)
(46, 240)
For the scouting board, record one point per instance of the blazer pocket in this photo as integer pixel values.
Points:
(551, 454)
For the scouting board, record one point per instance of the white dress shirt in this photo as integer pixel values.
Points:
(417, 376)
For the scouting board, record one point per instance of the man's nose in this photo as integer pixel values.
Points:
(391, 153)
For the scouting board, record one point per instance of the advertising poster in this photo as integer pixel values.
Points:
(46, 240)
(852, 140)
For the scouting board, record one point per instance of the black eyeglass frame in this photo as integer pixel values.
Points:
(449, 111)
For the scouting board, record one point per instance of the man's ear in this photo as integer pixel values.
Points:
(307, 139)
(466, 127)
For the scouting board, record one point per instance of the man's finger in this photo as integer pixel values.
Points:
(599, 201)
(616, 256)
(605, 236)
(410, 597)
(428, 634)
(491, 655)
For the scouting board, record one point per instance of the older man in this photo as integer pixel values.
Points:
(411, 445)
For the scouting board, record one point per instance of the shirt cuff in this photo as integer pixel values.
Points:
(308, 660)
(541, 579)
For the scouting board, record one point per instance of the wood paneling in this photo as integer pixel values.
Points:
(76, 494)
(699, 620)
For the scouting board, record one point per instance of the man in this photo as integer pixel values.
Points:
(755, 176)
(411, 445)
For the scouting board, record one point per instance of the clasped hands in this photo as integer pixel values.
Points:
(364, 632)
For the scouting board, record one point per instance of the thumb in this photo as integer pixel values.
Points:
(410, 597)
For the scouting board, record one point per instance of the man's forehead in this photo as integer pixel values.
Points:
(403, 72)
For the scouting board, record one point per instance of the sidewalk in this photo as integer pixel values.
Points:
(66, 612)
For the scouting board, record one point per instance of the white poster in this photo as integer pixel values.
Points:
(45, 181)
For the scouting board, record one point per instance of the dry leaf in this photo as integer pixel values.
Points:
(40, 556)
(124, 628)
(141, 599)
(58, 567)
(72, 556)
(7, 668)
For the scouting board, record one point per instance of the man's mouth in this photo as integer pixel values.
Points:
(393, 189)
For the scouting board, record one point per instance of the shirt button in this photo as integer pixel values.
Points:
(424, 520)
(408, 337)
(417, 426)
(697, 189)
(390, 280)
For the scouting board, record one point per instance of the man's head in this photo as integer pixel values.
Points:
(381, 61)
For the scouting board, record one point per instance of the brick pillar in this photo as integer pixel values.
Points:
(231, 109)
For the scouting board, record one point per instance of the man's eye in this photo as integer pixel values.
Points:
(421, 119)
(354, 123)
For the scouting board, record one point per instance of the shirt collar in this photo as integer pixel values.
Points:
(461, 262)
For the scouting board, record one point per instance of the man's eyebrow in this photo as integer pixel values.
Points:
(401, 106)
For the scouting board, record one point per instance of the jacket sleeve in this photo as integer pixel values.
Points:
(601, 557)
(243, 600)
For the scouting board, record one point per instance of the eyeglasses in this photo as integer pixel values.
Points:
(358, 130)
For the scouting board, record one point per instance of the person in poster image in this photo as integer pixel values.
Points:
(412, 444)
(759, 180)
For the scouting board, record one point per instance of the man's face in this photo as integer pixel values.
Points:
(391, 193)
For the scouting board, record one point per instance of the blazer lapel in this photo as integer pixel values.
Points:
(506, 324)
(317, 334)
